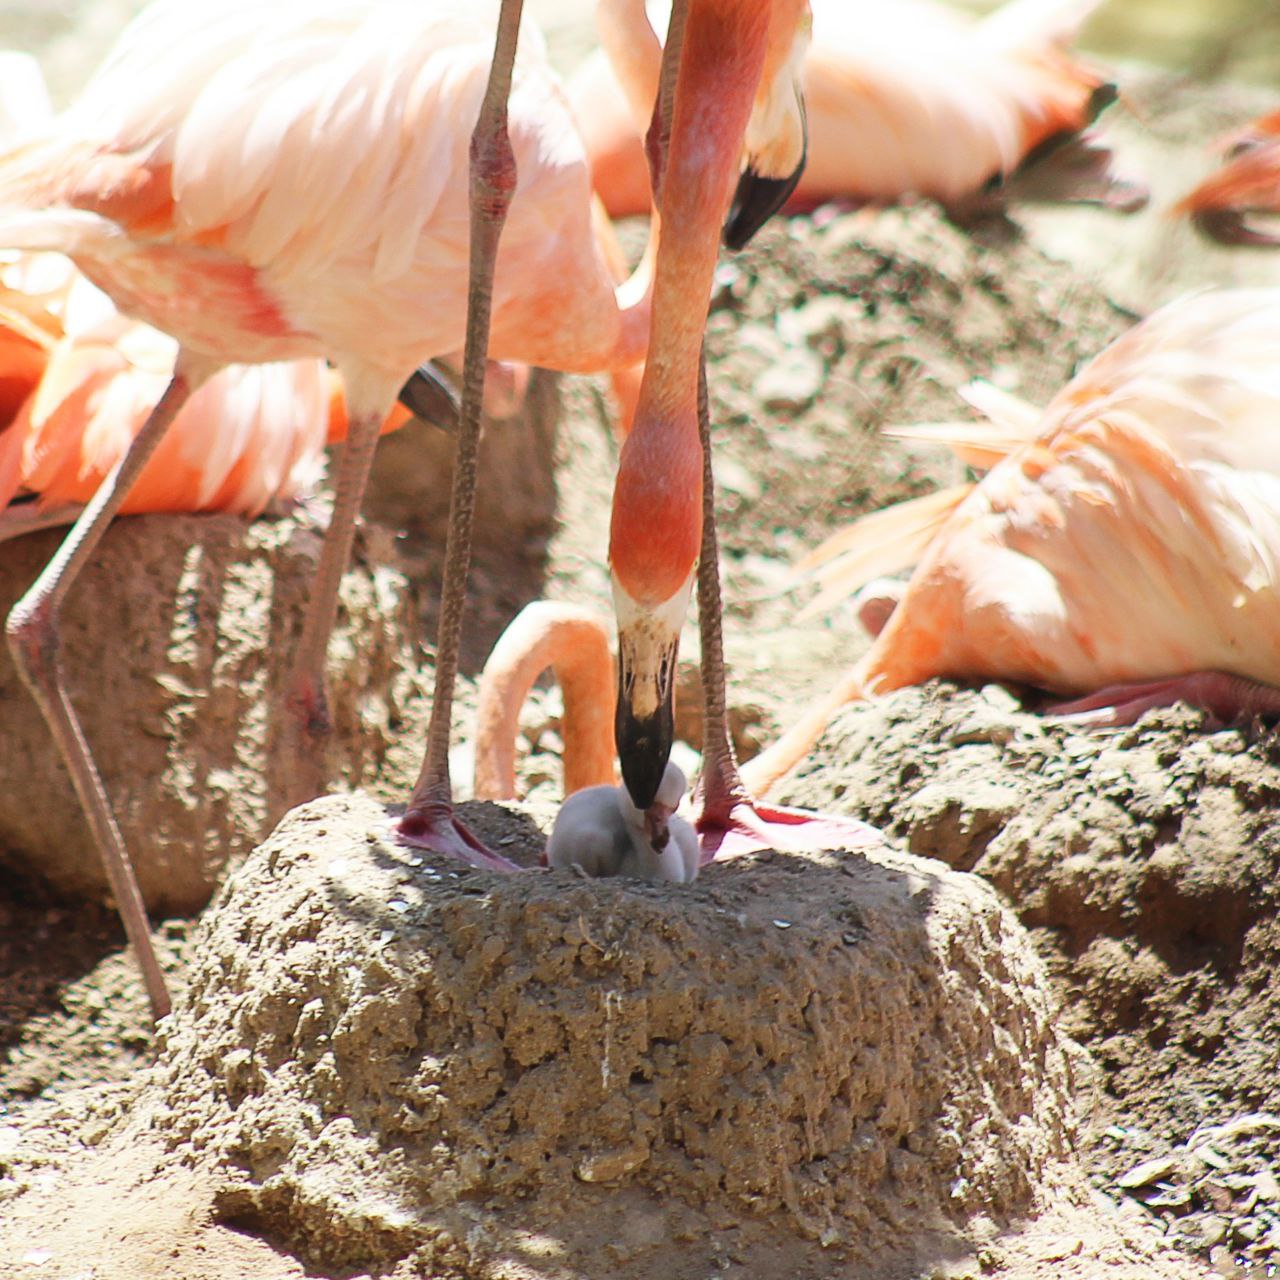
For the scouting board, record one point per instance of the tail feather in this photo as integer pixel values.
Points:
(880, 544)
(1023, 25)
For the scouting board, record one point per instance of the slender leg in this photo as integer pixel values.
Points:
(34, 640)
(308, 719)
(730, 822)
(658, 138)
(429, 820)
(1223, 697)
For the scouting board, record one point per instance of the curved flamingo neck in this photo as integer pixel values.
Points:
(657, 517)
(574, 642)
(634, 52)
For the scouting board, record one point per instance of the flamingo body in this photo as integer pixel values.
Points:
(1132, 536)
(283, 187)
(902, 99)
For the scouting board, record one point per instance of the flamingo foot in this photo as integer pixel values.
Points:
(434, 826)
(1221, 696)
(748, 827)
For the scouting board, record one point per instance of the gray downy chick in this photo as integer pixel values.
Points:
(599, 830)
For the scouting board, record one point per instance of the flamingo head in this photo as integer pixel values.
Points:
(654, 538)
(776, 141)
(644, 722)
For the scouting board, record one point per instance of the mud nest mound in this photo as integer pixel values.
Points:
(839, 1060)
(177, 644)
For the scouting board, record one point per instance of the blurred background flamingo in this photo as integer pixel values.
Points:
(79, 381)
(1125, 544)
(1227, 204)
(905, 99)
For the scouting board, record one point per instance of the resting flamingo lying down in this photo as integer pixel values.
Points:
(1123, 550)
(908, 98)
(77, 382)
(1226, 205)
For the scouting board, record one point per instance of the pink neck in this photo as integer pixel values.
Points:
(657, 517)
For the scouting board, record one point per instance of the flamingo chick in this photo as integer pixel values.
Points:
(1126, 549)
(279, 181)
(1226, 204)
(904, 99)
(600, 830)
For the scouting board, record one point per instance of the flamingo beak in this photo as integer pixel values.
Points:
(758, 198)
(644, 723)
(429, 395)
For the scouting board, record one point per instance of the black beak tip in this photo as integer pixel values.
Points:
(430, 395)
(755, 201)
(644, 745)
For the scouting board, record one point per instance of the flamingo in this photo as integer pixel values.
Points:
(903, 99)
(1123, 550)
(1248, 183)
(727, 138)
(78, 383)
(272, 182)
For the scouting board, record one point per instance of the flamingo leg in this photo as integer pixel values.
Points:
(308, 717)
(35, 642)
(730, 821)
(1224, 697)
(429, 821)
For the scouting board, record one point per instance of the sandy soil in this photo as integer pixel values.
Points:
(1142, 865)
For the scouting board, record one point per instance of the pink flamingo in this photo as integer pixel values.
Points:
(72, 402)
(901, 99)
(728, 123)
(1123, 550)
(1224, 206)
(274, 182)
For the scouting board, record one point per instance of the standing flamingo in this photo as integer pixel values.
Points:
(728, 123)
(901, 99)
(279, 181)
(1126, 549)
(728, 138)
(1248, 183)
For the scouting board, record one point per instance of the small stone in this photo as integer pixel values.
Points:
(1213, 1230)
(1147, 1172)
(808, 325)
(611, 1165)
(792, 383)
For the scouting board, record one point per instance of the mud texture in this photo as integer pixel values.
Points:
(384, 1055)
(177, 644)
(1145, 862)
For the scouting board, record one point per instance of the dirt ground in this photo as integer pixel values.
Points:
(1143, 862)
